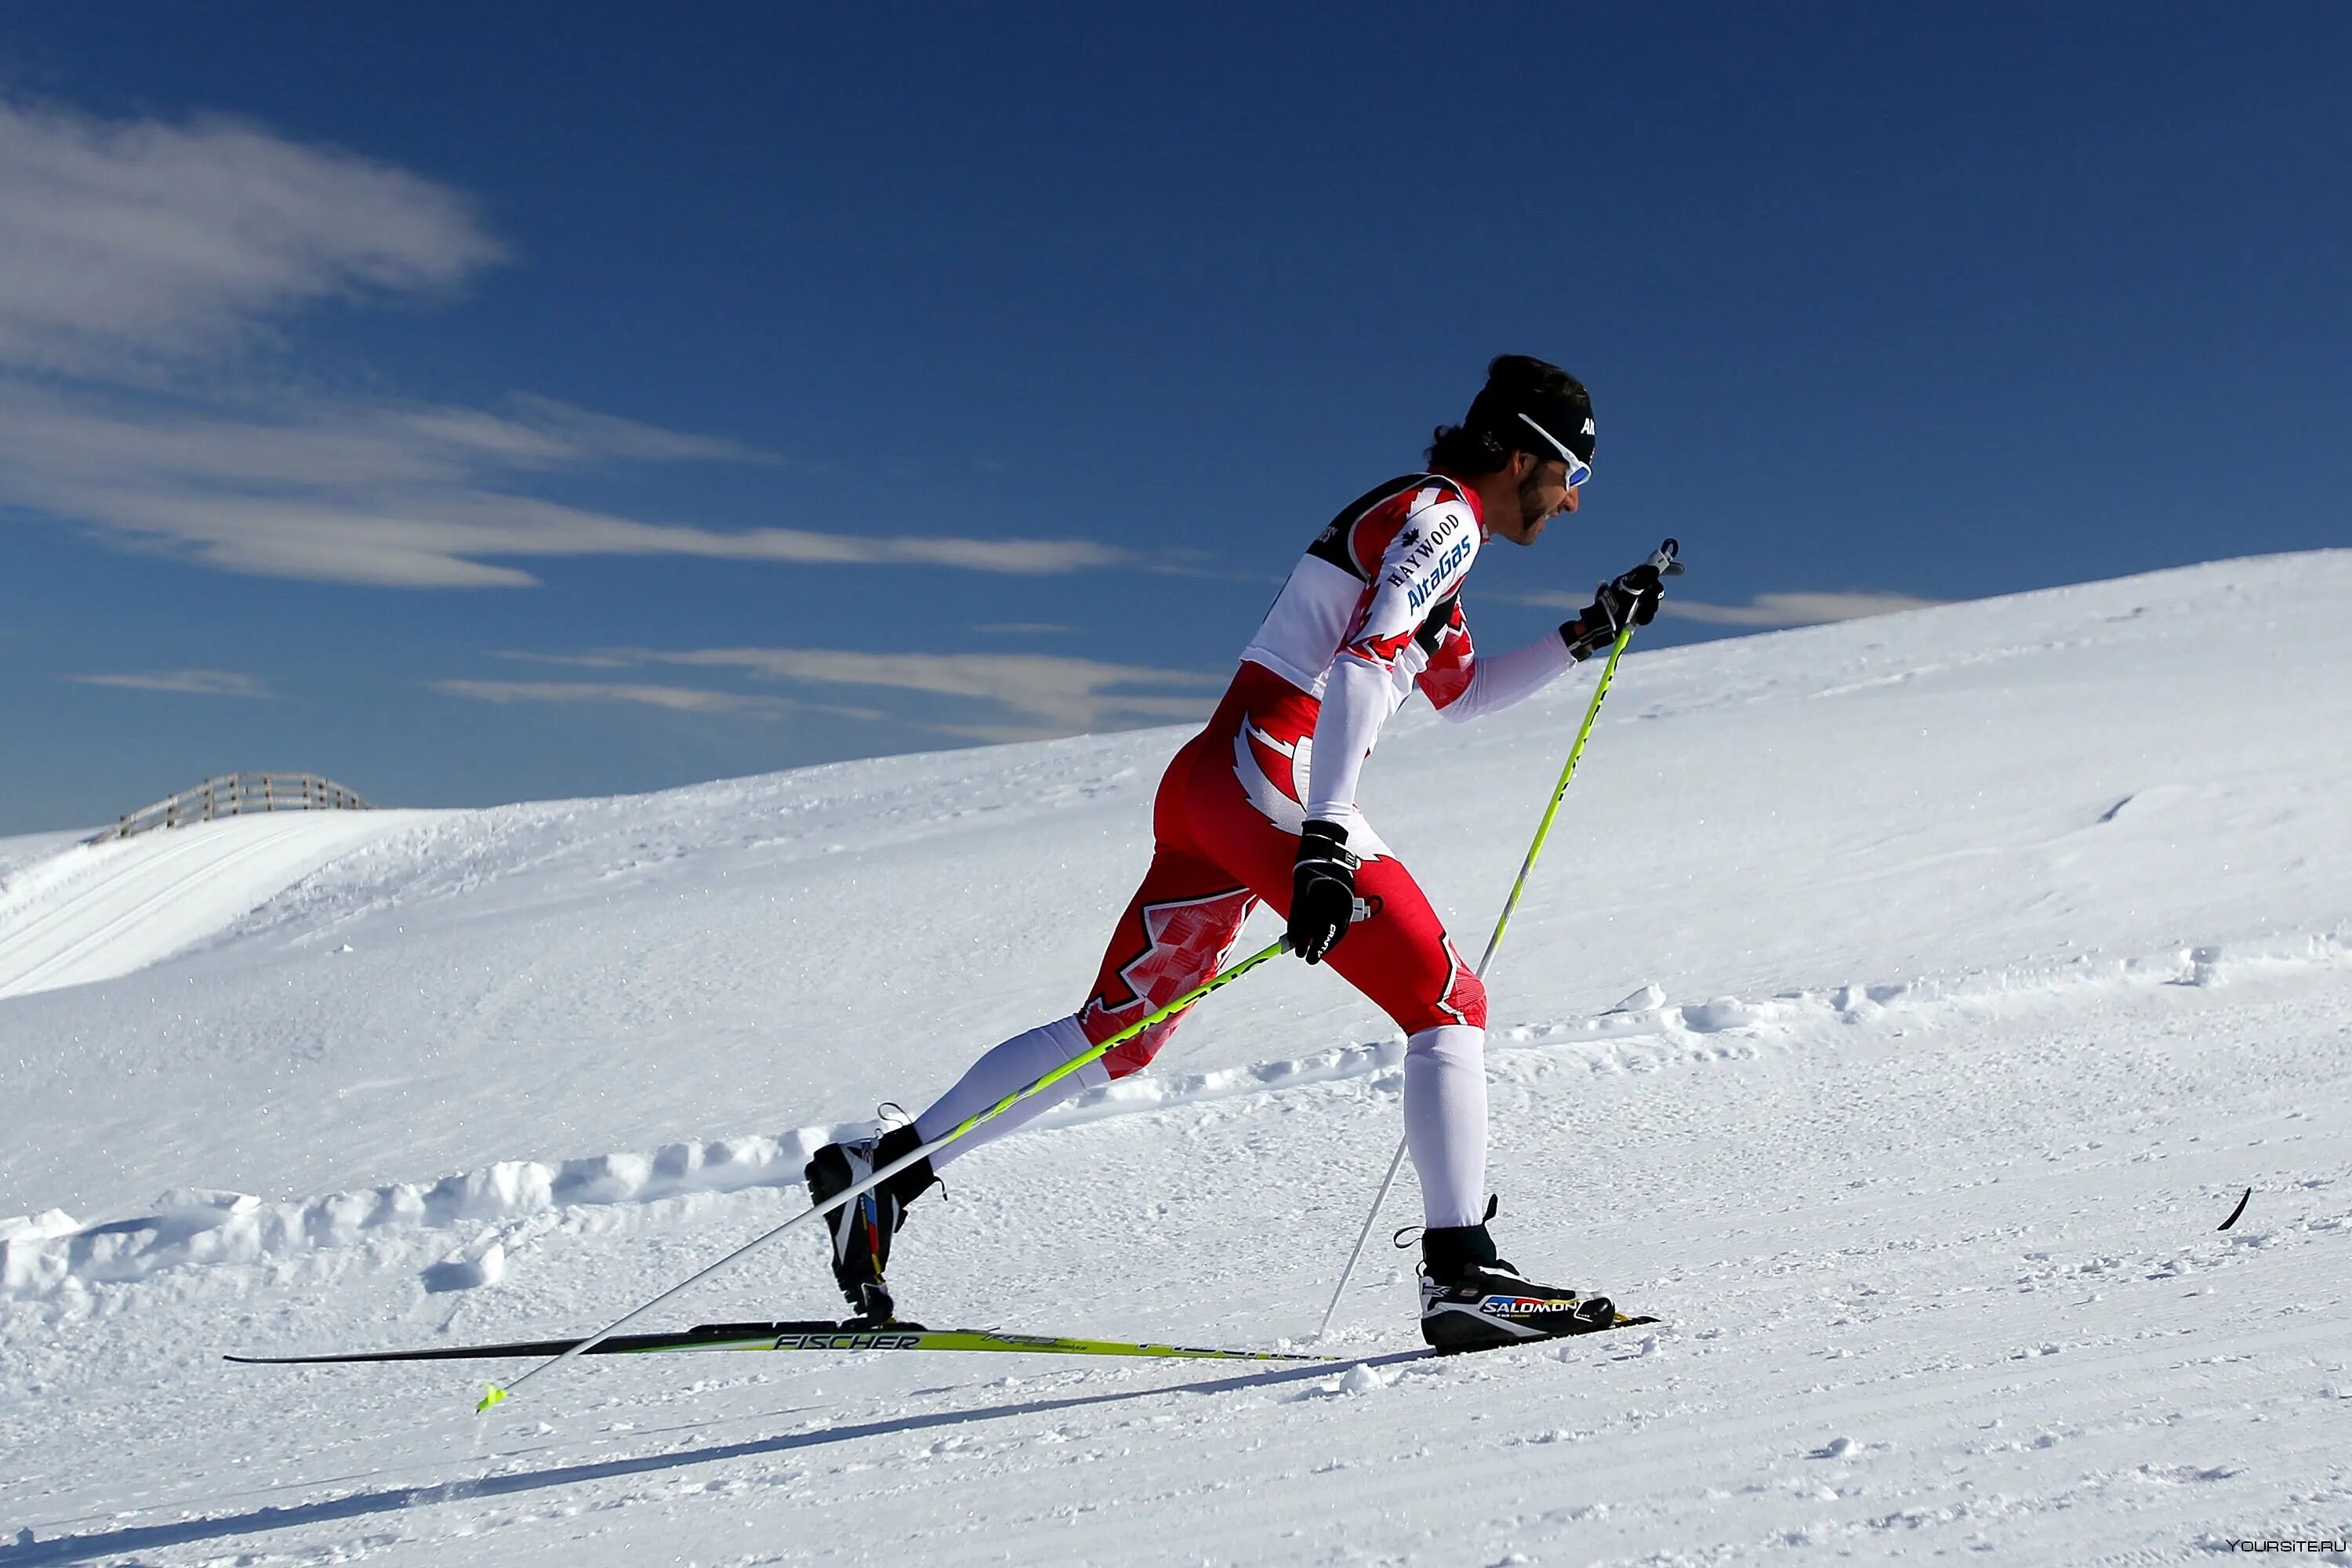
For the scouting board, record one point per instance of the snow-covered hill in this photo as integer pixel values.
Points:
(73, 913)
(1973, 962)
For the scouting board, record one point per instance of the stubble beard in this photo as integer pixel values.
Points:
(1532, 510)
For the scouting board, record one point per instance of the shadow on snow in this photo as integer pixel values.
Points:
(360, 1505)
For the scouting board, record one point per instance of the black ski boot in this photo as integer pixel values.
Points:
(862, 1227)
(1473, 1300)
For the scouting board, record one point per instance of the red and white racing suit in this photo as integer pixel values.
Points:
(1371, 612)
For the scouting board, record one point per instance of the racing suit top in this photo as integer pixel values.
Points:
(1371, 611)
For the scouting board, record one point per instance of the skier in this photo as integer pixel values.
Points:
(1261, 805)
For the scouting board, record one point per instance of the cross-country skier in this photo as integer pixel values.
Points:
(1261, 805)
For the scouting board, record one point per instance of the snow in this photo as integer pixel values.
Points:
(97, 911)
(1959, 970)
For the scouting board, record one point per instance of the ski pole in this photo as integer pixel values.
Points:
(497, 1392)
(1664, 560)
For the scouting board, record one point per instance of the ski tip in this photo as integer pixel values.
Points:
(492, 1396)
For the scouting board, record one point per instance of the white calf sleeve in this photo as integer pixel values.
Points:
(1445, 1122)
(1019, 1061)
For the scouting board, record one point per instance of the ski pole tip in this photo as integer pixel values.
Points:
(492, 1396)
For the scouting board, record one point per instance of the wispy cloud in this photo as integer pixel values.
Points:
(136, 257)
(129, 244)
(1039, 695)
(1792, 609)
(194, 682)
(679, 699)
(400, 497)
(1059, 696)
(1798, 609)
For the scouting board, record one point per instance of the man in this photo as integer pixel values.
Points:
(1261, 805)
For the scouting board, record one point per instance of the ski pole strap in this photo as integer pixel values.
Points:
(859, 1189)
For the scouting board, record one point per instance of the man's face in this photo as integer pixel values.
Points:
(1544, 492)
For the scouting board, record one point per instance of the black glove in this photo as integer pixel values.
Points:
(1631, 599)
(1322, 890)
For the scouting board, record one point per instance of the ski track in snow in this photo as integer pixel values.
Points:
(1936, 1244)
(95, 911)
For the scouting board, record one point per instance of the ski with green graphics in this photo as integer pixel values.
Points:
(825, 1336)
(804, 1336)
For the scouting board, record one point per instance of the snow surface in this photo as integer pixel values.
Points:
(1973, 962)
(81, 912)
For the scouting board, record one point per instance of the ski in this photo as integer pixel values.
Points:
(802, 1336)
(828, 1336)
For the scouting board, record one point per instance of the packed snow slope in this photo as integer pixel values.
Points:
(94, 911)
(1897, 1011)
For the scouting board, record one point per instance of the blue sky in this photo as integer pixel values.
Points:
(482, 404)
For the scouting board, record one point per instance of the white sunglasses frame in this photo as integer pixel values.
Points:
(1578, 470)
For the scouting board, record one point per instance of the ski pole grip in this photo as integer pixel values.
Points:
(1666, 559)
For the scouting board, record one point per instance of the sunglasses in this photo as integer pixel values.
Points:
(1578, 470)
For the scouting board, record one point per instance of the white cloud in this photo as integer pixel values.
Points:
(130, 244)
(1041, 695)
(1802, 608)
(1062, 696)
(621, 660)
(680, 698)
(398, 497)
(1798, 609)
(196, 682)
(134, 254)
(542, 433)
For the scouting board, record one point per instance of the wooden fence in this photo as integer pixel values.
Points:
(237, 795)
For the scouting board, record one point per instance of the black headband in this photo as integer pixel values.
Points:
(1566, 417)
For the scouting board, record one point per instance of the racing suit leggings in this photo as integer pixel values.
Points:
(1217, 853)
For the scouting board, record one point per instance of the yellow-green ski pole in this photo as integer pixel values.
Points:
(1664, 560)
(497, 1392)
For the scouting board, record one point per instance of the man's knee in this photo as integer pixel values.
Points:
(1468, 999)
(1094, 1025)
(1123, 1061)
(1464, 1002)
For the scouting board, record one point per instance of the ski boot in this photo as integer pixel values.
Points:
(1473, 1300)
(862, 1227)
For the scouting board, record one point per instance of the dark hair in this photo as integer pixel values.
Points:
(1484, 440)
(1462, 451)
